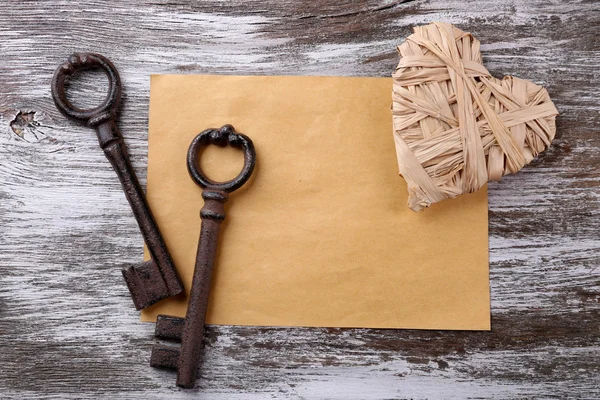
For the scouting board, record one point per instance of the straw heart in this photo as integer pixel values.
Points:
(456, 127)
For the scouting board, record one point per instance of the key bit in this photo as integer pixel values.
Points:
(190, 330)
(156, 279)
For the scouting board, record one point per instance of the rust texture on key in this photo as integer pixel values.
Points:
(190, 331)
(155, 279)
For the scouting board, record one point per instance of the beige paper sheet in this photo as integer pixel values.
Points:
(321, 236)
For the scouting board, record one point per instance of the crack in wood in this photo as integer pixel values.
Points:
(358, 12)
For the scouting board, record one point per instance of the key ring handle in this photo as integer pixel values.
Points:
(224, 136)
(79, 62)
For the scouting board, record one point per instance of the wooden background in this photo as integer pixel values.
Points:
(68, 329)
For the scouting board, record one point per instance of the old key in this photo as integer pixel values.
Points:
(190, 331)
(156, 279)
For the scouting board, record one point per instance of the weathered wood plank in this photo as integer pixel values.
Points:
(67, 326)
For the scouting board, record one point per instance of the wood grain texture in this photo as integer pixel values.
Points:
(68, 329)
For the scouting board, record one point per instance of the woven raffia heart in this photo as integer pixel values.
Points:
(455, 125)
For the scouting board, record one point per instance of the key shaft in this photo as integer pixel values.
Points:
(212, 214)
(155, 279)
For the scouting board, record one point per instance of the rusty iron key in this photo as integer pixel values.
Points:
(190, 330)
(155, 279)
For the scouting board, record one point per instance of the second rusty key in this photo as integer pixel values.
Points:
(156, 279)
(190, 331)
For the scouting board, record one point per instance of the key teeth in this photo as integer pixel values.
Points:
(134, 283)
(145, 284)
(164, 356)
(169, 327)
